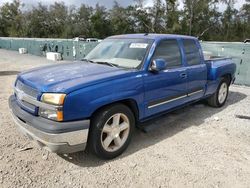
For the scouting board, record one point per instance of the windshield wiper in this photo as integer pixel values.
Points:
(106, 63)
(100, 62)
(90, 61)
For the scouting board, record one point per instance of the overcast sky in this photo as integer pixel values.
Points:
(106, 3)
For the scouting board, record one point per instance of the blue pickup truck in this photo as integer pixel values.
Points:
(124, 80)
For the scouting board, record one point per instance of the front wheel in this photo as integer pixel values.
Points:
(111, 131)
(218, 99)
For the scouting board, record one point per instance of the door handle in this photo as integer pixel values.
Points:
(183, 75)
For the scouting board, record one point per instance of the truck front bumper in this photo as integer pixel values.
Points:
(58, 137)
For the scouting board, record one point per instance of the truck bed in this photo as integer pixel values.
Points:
(218, 66)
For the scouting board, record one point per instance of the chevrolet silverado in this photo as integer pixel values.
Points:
(124, 80)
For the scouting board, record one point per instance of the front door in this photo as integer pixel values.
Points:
(168, 88)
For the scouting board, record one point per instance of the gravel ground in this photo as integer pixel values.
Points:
(197, 146)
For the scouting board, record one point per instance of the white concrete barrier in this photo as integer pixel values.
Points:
(54, 56)
(22, 50)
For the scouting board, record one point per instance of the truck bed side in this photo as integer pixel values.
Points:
(216, 69)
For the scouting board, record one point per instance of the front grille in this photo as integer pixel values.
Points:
(27, 89)
(31, 108)
(33, 93)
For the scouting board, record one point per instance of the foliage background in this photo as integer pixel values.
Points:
(200, 18)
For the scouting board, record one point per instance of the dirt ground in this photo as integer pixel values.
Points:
(197, 146)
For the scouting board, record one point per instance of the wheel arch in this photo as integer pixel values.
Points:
(130, 103)
(228, 77)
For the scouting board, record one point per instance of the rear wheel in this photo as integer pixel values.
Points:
(111, 131)
(218, 99)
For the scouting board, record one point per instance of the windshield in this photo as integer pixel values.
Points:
(127, 53)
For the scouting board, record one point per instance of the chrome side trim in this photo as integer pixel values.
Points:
(177, 98)
(195, 92)
(167, 101)
(24, 97)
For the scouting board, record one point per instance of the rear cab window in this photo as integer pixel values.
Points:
(192, 52)
(169, 51)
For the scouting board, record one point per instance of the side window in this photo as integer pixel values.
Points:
(170, 52)
(192, 52)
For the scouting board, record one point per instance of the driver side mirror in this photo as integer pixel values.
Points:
(158, 65)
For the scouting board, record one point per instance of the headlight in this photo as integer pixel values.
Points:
(53, 98)
(56, 99)
(51, 114)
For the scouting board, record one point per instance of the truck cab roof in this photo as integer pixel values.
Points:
(153, 36)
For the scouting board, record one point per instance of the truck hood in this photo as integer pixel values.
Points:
(68, 77)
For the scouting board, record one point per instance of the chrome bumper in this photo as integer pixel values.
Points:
(63, 142)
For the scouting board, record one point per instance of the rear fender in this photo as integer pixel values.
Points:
(220, 68)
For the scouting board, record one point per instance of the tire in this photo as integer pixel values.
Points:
(107, 139)
(218, 99)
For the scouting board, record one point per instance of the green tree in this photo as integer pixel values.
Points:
(58, 14)
(142, 19)
(157, 17)
(172, 17)
(38, 22)
(245, 18)
(121, 20)
(12, 19)
(100, 22)
(199, 17)
(78, 21)
(228, 19)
